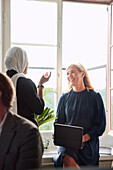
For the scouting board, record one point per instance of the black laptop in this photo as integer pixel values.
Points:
(68, 136)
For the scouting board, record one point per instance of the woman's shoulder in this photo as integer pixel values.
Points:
(95, 95)
(25, 82)
(65, 95)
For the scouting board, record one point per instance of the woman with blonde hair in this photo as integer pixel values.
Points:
(81, 106)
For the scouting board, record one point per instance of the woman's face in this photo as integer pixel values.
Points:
(74, 77)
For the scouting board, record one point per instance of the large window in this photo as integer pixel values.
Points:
(57, 33)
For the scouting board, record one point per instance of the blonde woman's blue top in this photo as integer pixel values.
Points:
(84, 109)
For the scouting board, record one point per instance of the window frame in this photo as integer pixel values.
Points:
(110, 48)
(108, 111)
(5, 36)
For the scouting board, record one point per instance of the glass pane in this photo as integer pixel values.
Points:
(41, 56)
(84, 34)
(98, 81)
(98, 78)
(112, 110)
(33, 22)
(34, 28)
(35, 75)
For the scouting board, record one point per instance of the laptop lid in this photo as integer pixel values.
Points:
(68, 136)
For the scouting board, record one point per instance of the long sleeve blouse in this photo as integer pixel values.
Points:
(85, 109)
(28, 101)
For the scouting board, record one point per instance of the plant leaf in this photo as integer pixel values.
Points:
(45, 117)
(45, 121)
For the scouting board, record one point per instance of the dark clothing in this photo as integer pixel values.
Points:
(83, 109)
(28, 101)
(10, 73)
(21, 146)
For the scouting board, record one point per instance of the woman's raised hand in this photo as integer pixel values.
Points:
(45, 78)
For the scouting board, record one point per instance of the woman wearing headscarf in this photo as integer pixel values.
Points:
(28, 100)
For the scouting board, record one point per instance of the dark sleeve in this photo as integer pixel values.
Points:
(60, 114)
(99, 125)
(31, 150)
(26, 88)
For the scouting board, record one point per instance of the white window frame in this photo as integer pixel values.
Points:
(109, 87)
(108, 110)
(5, 13)
(5, 34)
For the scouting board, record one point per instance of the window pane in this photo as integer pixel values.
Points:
(98, 78)
(34, 28)
(33, 22)
(98, 81)
(41, 56)
(35, 75)
(85, 41)
(84, 34)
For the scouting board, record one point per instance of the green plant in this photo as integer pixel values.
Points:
(48, 113)
(45, 117)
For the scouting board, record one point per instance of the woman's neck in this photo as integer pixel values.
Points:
(79, 88)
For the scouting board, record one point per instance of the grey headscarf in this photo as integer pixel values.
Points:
(16, 59)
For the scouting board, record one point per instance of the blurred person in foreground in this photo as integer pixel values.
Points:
(28, 100)
(21, 145)
(81, 106)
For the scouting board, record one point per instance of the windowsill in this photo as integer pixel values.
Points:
(105, 159)
(47, 160)
(53, 152)
(50, 153)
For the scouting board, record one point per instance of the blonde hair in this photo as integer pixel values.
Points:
(86, 80)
